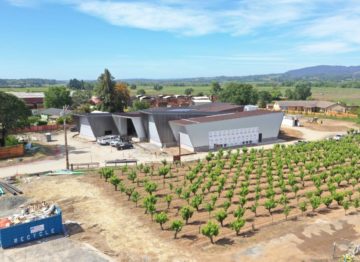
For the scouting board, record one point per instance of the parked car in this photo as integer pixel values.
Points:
(74, 129)
(301, 142)
(105, 140)
(337, 137)
(124, 145)
(115, 142)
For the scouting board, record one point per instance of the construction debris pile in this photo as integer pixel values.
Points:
(29, 213)
(7, 186)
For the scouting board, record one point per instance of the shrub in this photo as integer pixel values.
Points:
(176, 226)
(186, 213)
(210, 230)
(237, 225)
(161, 218)
(220, 216)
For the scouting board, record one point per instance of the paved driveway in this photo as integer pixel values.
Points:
(82, 151)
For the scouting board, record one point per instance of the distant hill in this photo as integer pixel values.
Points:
(314, 73)
(324, 72)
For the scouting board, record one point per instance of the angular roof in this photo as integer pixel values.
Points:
(221, 117)
(53, 111)
(306, 103)
(23, 95)
(204, 108)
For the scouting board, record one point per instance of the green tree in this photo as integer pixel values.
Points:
(176, 226)
(158, 87)
(133, 87)
(115, 181)
(161, 219)
(80, 97)
(327, 200)
(105, 90)
(220, 216)
(141, 92)
(135, 197)
(315, 202)
(168, 199)
(139, 105)
(188, 91)
(186, 213)
(210, 230)
(76, 84)
(303, 207)
(265, 97)
(215, 88)
(57, 97)
(302, 91)
(239, 93)
(237, 225)
(13, 114)
(150, 187)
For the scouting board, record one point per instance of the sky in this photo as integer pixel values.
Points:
(63, 39)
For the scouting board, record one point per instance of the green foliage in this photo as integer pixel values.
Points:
(57, 97)
(186, 213)
(115, 181)
(269, 205)
(237, 225)
(132, 176)
(11, 141)
(327, 200)
(239, 212)
(139, 105)
(13, 114)
(196, 201)
(135, 197)
(215, 88)
(210, 230)
(141, 92)
(161, 219)
(150, 187)
(315, 202)
(220, 216)
(106, 172)
(168, 199)
(176, 226)
(239, 93)
(188, 91)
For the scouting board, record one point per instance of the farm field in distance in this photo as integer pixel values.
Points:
(350, 96)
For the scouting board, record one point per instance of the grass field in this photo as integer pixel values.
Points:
(351, 96)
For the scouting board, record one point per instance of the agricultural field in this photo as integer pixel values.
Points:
(350, 96)
(232, 193)
(27, 89)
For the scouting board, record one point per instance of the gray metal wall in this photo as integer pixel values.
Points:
(269, 127)
(101, 123)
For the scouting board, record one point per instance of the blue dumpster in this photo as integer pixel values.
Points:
(34, 230)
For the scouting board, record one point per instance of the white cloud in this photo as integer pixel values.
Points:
(326, 47)
(151, 16)
(323, 25)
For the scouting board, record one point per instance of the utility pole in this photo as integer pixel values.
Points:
(65, 108)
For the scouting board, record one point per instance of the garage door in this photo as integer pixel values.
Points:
(233, 137)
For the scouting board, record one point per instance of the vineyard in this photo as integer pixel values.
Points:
(233, 192)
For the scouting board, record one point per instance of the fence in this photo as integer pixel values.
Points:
(11, 151)
(44, 128)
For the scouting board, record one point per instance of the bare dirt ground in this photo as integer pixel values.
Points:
(112, 225)
(329, 125)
